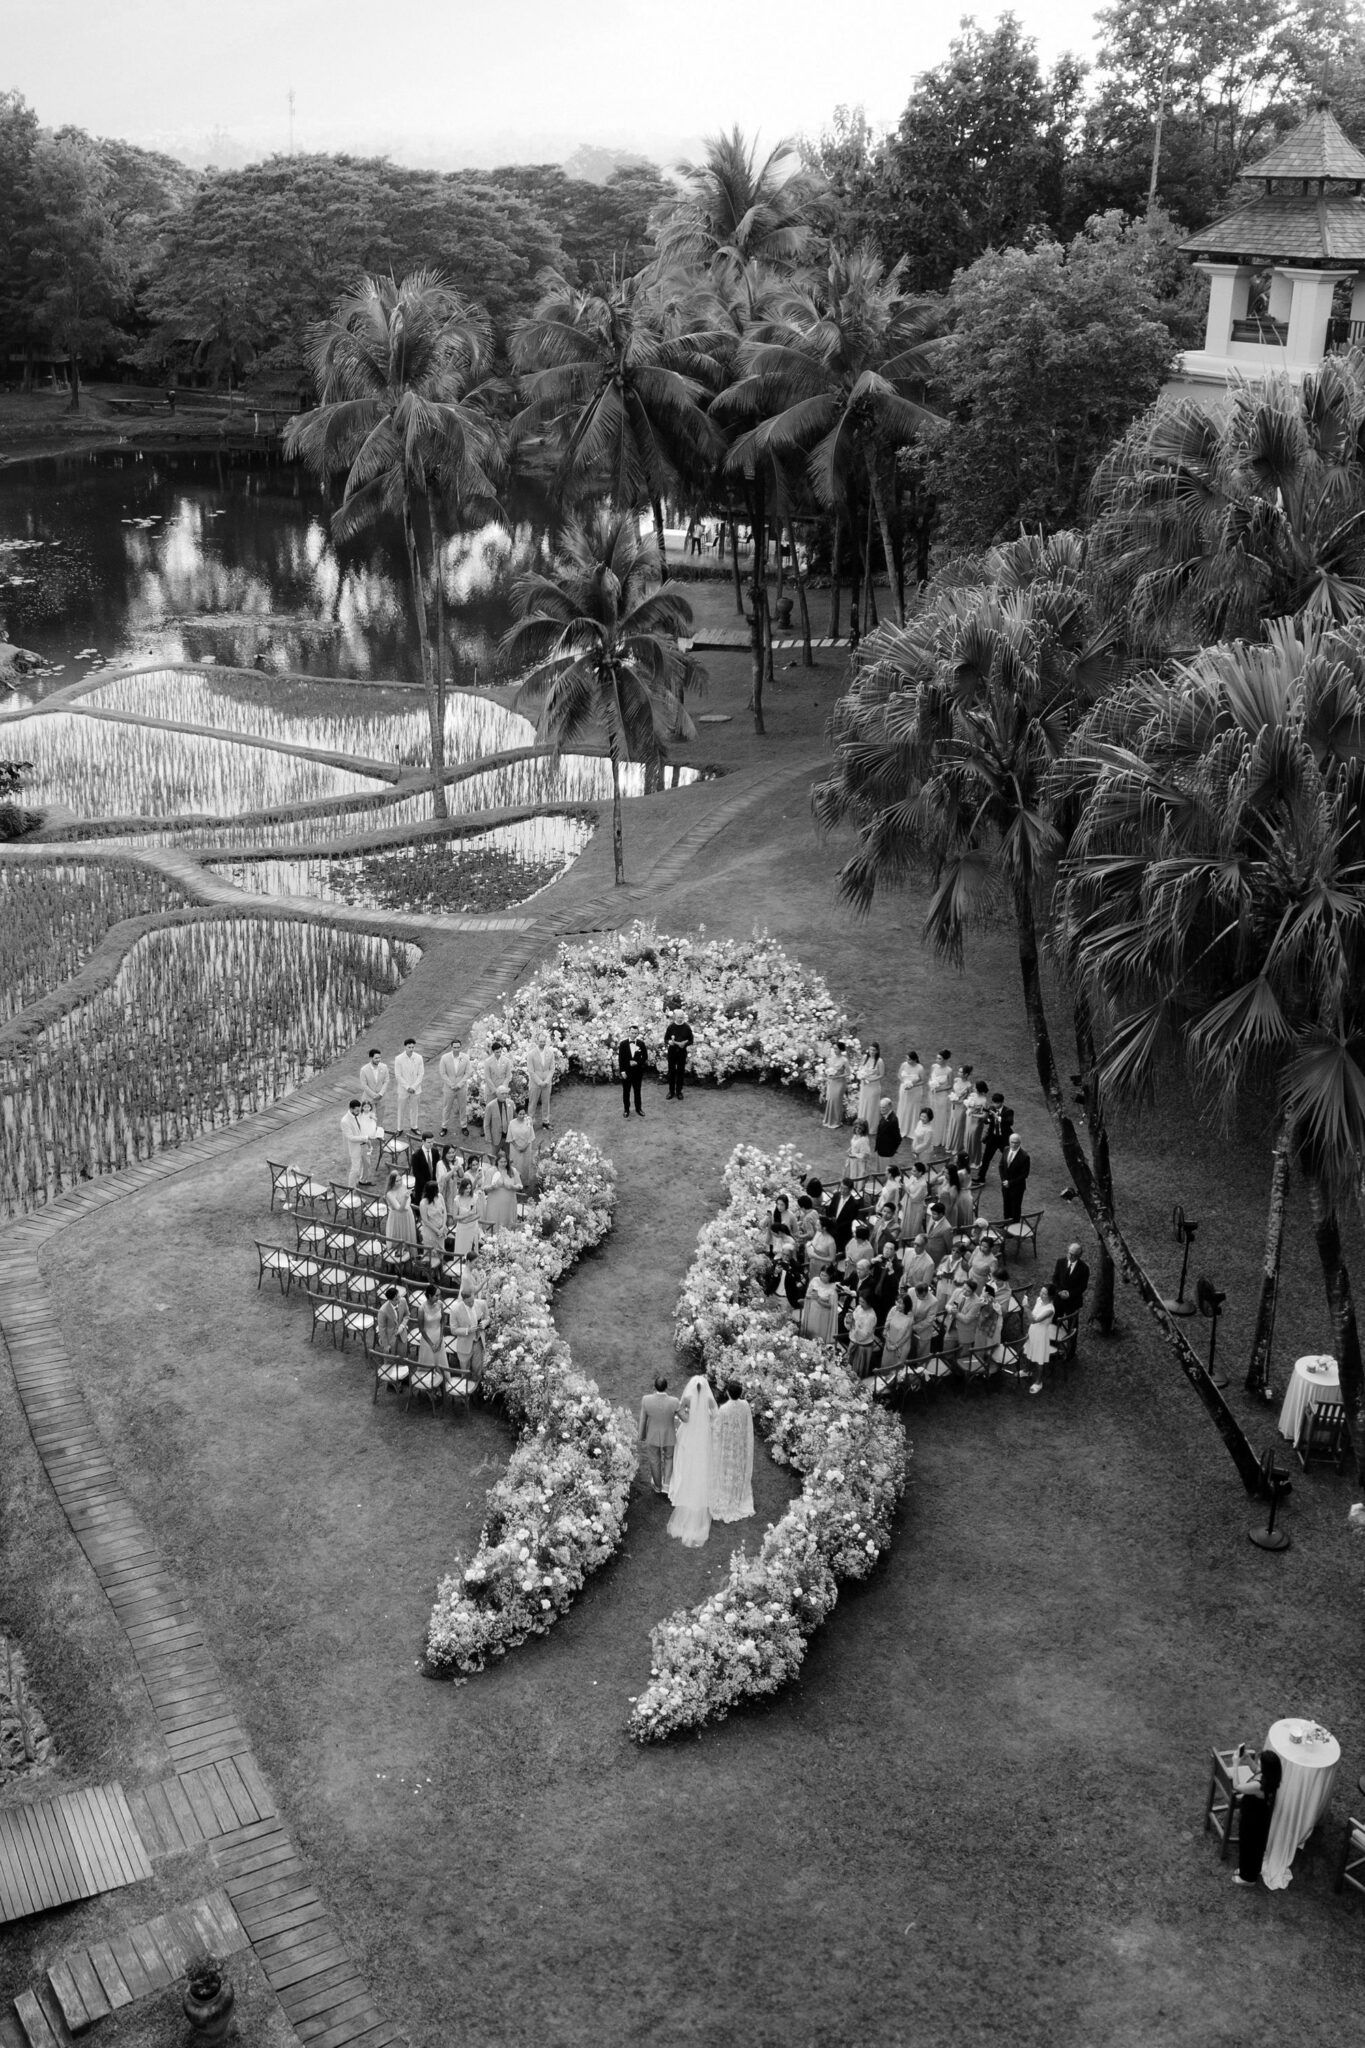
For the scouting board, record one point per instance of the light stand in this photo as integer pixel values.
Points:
(1209, 1303)
(1183, 1231)
(1277, 1485)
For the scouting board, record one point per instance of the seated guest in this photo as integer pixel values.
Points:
(1257, 1811)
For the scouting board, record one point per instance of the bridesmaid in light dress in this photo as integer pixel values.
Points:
(400, 1227)
(911, 1096)
(501, 1198)
(870, 1075)
(978, 1109)
(916, 1202)
(954, 1137)
(940, 1082)
(861, 1165)
(836, 1080)
(466, 1220)
(922, 1139)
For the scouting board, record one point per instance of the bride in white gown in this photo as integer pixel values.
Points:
(690, 1487)
(732, 1457)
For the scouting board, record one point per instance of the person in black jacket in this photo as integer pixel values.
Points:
(677, 1039)
(1014, 1173)
(631, 1061)
(887, 1142)
(997, 1127)
(1070, 1278)
(844, 1211)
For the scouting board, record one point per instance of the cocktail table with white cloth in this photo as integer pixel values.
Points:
(1310, 1757)
(1314, 1379)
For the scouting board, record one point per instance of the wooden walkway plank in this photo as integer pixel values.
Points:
(299, 1999)
(112, 1980)
(344, 2025)
(201, 1806)
(34, 2021)
(182, 1813)
(149, 1955)
(284, 1972)
(170, 1944)
(97, 2006)
(329, 2003)
(231, 1781)
(129, 1962)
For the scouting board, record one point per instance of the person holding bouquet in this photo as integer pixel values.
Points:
(836, 1081)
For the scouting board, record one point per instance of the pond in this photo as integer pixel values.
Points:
(479, 871)
(184, 556)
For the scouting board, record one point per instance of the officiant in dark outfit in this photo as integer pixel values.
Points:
(631, 1060)
(677, 1040)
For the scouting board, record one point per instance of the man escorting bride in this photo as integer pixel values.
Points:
(713, 1461)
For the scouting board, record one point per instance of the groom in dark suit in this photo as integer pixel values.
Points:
(632, 1057)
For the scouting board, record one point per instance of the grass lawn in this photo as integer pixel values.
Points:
(977, 1817)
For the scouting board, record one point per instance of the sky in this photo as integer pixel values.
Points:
(495, 81)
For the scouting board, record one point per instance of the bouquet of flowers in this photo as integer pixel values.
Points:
(750, 1636)
(559, 1510)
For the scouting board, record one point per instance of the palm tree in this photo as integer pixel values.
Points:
(832, 378)
(945, 749)
(403, 411)
(740, 208)
(1215, 523)
(1214, 900)
(620, 393)
(610, 659)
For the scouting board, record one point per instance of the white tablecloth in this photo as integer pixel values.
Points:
(1305, 1788)
(1305, 1390)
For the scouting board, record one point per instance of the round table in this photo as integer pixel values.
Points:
(1305, 1788)
(1314, 1379)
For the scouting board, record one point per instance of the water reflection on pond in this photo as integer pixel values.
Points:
(425, 875)
(101, 768)
(391, 728)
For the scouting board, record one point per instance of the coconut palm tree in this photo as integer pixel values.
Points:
(945, 749)
(739, 207)
(608, 645)
(403, 411)
(1213, 523)
(1214, 900)
(834, 379)
(619, 390)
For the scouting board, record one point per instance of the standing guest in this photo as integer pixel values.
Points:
(955, 1134)
(938, 1237)
(910, 1094)
(409, 1072)
(978, 1111)
(996, 1129)
(374, 1083)
(454, 1072)
(890, 1206)
(500, 1200)
(449, 1166)
(1014, 1173)
(916, 1201)
(466, 1218)
(982, 1263)
(1041, 1330)
(858, 1252)
(391, 1322)
(1070, 1278)
(732, 1457)
(432, 1215)
(804, 1223)
(400, 1229)
(431, 1332)
(521, 1148)
(820, 1309)
(863, 1347)
(989, 1324)
(923, 1319)
(888, 1139)
(468, 1314)
(356, 1144)
(836, 1080)
(540, 1076)
(658, 1413)
(860, 1165)
(677, 1040)
(497, 1093)
(1258, 1808)
(898, 1335)
(940, 1086)
(922, 1141)
(822, 1251)
(958, 1205)
(870, 1075)
(917, 1266)
(964, 1315)
(632, 1057)
(844, 1212)
(422, 1166)
(780, 1222)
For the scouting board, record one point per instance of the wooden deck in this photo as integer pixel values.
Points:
(71, 1847)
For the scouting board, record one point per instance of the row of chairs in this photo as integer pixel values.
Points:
(339, 1278)
(407, 1378)
(994, 1366)
(1222, 1813)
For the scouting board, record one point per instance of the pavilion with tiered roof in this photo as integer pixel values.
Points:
(1303, 222)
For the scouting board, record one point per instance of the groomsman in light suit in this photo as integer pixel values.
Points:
(658, 1431)
(409, 1071)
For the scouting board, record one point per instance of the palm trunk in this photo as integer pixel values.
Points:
(890, 553)
(617, 844)
(1258, 1365)
(438, 578)
(1102, 1313)
(1098, 1208)
(435, 721)
(75, 405)
(734, 564)
(758, 605)
(1341, 1305)
(659, 538)
(834, 580)
(869, 602)
(807, 658)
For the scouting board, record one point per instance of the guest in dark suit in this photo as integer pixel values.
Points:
(844, 1211)
(631, 1060)
(1014, 1173)
(677, 1041)
(1070, 1278)
(996, 1130)
(938, 1236)
(422, 1166)
(887, 1142)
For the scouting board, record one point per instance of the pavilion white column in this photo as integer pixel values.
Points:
(1310, 309)
(1229, 286)
(1280, 293)
(1358, 298)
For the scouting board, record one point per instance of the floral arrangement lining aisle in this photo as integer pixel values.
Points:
(749, 1637)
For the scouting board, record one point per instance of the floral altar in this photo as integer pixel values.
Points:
(750, 1636)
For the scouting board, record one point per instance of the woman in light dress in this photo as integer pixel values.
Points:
(432, 1215)
(822, 1250)
(922, 1140)
(400, 1228)
(521, 1149)
(836, 1080)
(910, 1097)
(732, 1457)
(1041, 1331)
(820, 1309)
(863, 1348)
(690, 1487)
(978, 1109)
(500, 1201)
(466, 1220)
(870, 1075)
(898, 1335)
(431, 1341)
(916, 1201)
(860, 1165)
(955, 1135)
(958, 1204)
(940, 1083)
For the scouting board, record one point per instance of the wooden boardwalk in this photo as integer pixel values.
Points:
(71, 1847)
